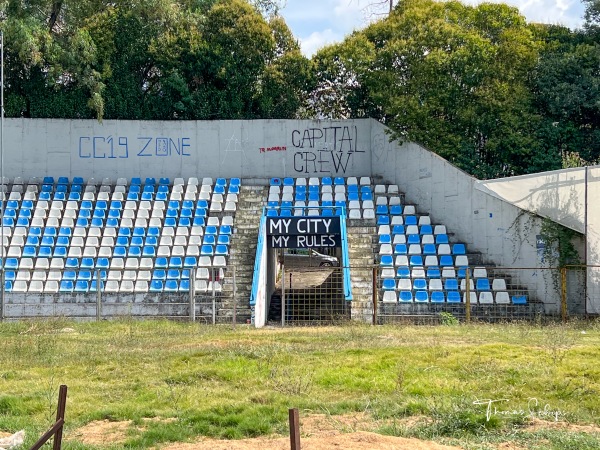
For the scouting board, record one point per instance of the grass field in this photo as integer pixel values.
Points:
(198, 380)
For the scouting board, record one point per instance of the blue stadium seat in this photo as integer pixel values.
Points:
(425, 229)
(483, 284)
(405, 296)
(8, 221)
(62, 232)
(69, 275)
(147, 196)
(451, 284)
(149, 251)
(134, 252)
(76, 188)
(453, 297)
(386, 260)
(190, 261)
(383, 220)
(201, 211)
(288, 181)
(27, 204)
(171, 286)
(219, 190)
(382, 209)
(48, 241)
(270, 213)
(433, 272)
(25, 213)
(421, 297)
(161, 263)
(94, 284)
(102, 263)
(122, 241)
(419, 283)
(77, 180)
(148, 189)
(275, 182)
(176, 262)
(441, 239)
(10, 275)
(35, 231)
(60, 252)
(207, 250)
(410, 220)
(156, 286)
(400, 249)
(389, 284)
(151, 241)
(285, 213)
(403, 272)
(446, 260)
(97, 223)
(136, 181)
(184, 222)
(173, 274)
(458, 249)
(99, 214)
(519, 299)
(45, 196)
(84, 275)
(63, 180)
(119, 252)
(50, 231)
(33, 241)
(164, 182)
(11, 263)
(429, 249)
(62, 240)
(135, 196)
(339, 181)
(398, 229)
(29, 251)
(137, 241)
(74, 196)
(139, 231)
(124, 232)
(221, 250)
(170, 222)
(385, 239)
(82, 286)
(48, 180)
(114, 214)
(395, 210)
(159, 274)
(413, 239)
(8, 285)
(154, 231)
(437, 297)
(462, 272)
(223, 239)
(45, 252)
(72, 263)
(22, 222)
(416, 260)
(87, 263)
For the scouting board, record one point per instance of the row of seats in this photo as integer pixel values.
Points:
(111, 286)
(449, 284)
(316, 181)
(482, 298)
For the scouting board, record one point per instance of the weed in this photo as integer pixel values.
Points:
(448, 319)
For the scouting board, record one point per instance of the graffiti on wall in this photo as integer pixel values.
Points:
(325, 149)
(124, 147)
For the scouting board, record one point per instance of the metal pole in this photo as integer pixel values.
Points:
(374, 288)
(468, 294)
(214, 306)
(192, 295)
(585, 237)
(563, 292)
(2, 292)
(294, 429)
(283, 308)
(234, 299)
(98, 296)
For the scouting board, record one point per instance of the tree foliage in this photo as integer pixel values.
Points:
(156, 59)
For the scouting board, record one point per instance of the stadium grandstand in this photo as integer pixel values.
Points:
(190, 219)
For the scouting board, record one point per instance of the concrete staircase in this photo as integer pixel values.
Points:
(360, 249)
(242, 252)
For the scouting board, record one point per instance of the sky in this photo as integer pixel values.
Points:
(317, 23)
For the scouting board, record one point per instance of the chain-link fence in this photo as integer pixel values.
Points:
(205, 294)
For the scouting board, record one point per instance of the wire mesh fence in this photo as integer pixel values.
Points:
(300, 295)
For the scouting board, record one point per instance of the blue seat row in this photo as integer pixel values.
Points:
(325, 181)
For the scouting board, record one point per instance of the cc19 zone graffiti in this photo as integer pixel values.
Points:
(100, 147)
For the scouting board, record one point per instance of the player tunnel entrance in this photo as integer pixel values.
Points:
(307, 277)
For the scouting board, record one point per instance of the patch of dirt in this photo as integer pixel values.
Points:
(101, 432)
(105, 432)
(538, 424)
(359, 440)
(509, 446)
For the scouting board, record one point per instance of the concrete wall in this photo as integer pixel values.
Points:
(268, 148)
(249, 149)
(503, 234)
